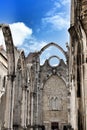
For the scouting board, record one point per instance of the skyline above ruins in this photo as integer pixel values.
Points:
(36, 23)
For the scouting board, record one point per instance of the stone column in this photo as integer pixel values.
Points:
(11, 74)
(72, 12)
(28, 107)
(73, 107)
(32, 94)
(85, 94)
(24, 107)
(9, 103)
(37, 92)
(28, 93)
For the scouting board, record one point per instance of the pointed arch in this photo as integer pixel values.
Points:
(56, 103)
(9, 97)
(9, 48)
(56, 45)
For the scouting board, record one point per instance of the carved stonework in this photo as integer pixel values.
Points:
(38, 93)
(84, 14)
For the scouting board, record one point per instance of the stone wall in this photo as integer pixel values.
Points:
(55, 102)
(36, 96)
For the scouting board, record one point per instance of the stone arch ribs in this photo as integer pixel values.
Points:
(8, 118)
(9, 48)
(57, 46)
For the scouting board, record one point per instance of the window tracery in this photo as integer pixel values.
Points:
(55, 103)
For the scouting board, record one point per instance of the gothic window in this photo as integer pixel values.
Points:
(55, 103)
(49, 103)
(52, 103)
(59, 104)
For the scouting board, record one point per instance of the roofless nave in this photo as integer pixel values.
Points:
(44, 96)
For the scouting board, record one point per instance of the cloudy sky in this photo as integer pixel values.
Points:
(34, 23)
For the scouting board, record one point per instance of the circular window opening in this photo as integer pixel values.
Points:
(54, 61)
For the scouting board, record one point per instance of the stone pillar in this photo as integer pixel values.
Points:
(24, 107)
(85, 94)
(32, 94)
(28, 107)
(41, 106)
(28, 93)
(73, 107)
(11, 74)
(37, 69)
(9, 103)
(72, 21)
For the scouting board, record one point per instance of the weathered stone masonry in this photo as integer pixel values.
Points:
(30, 98)
(45, 96)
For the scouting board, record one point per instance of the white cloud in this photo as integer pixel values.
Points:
(23, 38)
(57, 4)
(57, 21)
(57, 18)
(19, 32)
(32, 45)
(37, 45)
(55, 8)
(64, 2)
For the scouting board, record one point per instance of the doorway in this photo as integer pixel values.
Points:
(54, 126)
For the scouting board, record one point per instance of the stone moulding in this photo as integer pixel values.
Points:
(84, 15)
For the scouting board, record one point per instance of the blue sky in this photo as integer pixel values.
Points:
(34, 23)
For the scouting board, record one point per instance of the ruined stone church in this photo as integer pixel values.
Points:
(46, 97)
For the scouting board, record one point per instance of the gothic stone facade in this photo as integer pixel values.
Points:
(47, 97)
(36, 97)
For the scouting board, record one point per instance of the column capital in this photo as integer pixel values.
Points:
(12, 77)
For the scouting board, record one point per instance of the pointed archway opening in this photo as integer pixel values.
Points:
(52, 49)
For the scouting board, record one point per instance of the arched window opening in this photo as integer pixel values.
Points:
(49, 52)
(55, 104)
(54, 61)
(52, 103)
